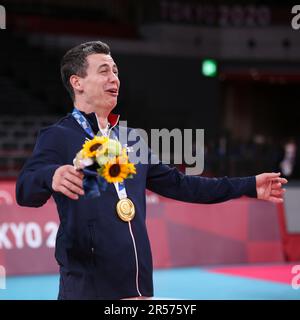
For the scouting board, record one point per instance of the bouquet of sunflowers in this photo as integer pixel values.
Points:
(103, 160)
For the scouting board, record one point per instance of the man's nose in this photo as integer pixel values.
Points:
(113, 77)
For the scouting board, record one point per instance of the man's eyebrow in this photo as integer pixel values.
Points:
(107, 65)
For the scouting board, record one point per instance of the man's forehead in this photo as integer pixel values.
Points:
(100, 58)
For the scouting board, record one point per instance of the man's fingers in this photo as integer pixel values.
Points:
(275, 177)
(72, 187)
(276, 200)
(68, 193)
(77, 173)
(276, 185)
(70, 169)
(68, 181)
(271, 175)
(277, 192)
(280, 180)
(74, 179)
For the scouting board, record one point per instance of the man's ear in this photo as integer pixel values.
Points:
(76, 83)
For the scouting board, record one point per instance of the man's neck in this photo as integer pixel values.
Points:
(101, 115)
(102, 121)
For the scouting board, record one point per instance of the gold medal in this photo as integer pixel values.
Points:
(125, 209)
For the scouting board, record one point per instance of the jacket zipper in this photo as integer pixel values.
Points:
(92, 242)
(136, 260)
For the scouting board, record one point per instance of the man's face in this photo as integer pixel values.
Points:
(100, 87)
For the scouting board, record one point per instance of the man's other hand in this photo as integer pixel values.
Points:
(269, 187)
(68, 181)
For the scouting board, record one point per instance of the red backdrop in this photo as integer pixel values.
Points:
(181, 234)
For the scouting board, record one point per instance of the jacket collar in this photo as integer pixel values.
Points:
(113, 120)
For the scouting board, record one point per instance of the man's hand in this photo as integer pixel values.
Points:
(68, 181)
(269, 187)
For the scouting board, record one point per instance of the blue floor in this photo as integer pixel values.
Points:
(197, 283)
(181, 283)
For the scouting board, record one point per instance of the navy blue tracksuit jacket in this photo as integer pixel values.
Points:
(99, 256)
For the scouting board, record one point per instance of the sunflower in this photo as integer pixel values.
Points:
(124, 159)
(131, 168)
(96, 145)
(117, 169)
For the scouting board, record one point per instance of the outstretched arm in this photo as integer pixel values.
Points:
(171, 183)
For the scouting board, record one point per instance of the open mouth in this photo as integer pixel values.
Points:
(112, 91)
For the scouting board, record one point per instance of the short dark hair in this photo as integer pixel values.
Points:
(74, 61)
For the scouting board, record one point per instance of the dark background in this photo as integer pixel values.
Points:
(249, 110)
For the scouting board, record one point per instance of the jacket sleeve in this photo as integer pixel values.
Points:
(171, 183)
(34, 183)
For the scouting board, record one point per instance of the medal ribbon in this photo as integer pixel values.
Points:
(82, 121)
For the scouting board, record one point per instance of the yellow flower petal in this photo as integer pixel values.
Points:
(98, 145)
(117, 170)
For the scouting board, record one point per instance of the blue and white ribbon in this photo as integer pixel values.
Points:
(92, 183)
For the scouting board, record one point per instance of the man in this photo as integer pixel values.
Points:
(100, 255)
